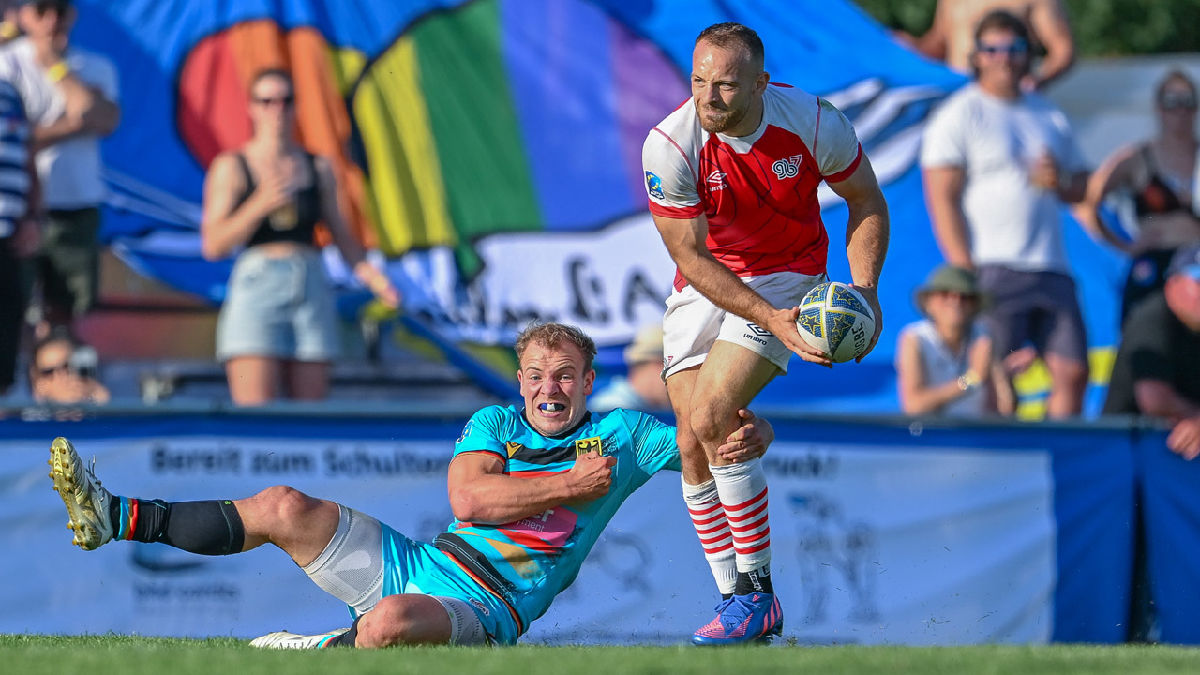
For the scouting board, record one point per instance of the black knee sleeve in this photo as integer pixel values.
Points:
(208, 528)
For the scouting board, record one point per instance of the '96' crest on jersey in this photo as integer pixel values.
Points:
(787, 167)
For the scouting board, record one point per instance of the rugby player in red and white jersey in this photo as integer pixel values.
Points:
(732, 177)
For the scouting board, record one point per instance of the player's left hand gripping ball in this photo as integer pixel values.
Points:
(838, 320)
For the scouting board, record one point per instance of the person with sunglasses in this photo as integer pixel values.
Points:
(277, 332)
(997, 162)
(1159, 175)
(951, 37)
(56, 375)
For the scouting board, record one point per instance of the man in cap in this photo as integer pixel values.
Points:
(642, 387)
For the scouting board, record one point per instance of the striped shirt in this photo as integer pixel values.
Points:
(14, 156)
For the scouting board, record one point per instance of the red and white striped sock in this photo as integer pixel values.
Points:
(708, 517)
(743, 490)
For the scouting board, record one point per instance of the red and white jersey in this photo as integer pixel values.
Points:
(759, 192)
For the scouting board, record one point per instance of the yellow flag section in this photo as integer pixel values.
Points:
(1033, 384)
(404, 178)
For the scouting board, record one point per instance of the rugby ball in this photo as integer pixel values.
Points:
(836, 319)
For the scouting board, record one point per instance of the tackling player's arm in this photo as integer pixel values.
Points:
(867, 232)
(685, 240)
(480, 491)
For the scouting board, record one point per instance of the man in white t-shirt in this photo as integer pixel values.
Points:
(70, 97)
(997, 164)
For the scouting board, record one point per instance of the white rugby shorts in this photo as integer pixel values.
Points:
(692, 322)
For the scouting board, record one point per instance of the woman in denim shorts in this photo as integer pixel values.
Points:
(277, 331)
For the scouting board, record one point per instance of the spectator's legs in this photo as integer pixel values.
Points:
(306, 380)
(12, 315)
(1069, 378)
(253, 380)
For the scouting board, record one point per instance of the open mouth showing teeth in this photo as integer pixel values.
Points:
(552, 407)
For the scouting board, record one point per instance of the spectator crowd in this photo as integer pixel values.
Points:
(998, 162)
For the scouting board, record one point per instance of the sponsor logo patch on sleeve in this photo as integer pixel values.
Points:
(654, 185)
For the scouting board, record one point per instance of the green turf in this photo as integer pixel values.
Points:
(34, 655)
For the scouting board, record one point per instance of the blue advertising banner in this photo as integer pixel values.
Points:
(883, 532)
(1170, 501)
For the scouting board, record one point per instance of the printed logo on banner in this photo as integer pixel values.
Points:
(824, 535)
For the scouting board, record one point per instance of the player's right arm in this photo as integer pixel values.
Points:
(481, 492)
(685, 240)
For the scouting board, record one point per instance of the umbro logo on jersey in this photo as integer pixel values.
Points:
(716, 181)
(787, 167)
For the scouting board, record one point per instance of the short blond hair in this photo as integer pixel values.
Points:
(552, 335)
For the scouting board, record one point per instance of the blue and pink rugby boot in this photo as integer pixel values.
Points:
(743, 619)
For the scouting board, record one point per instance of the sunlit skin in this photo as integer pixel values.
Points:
(728, 86)
(1182, 292)
(555, 384)
(1000, 72)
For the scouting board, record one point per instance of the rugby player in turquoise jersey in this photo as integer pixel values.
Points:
(531, 489)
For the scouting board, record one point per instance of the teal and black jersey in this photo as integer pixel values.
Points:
(530, 561)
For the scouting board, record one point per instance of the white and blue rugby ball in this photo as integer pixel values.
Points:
(836, 319)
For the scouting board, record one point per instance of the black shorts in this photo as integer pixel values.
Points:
(68, 262)
(1033, 308)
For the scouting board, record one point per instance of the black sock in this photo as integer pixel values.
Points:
(345, 639)
(726, 596)
(754, 581)
(208, 528)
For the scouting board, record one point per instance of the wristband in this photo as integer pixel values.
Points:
(58, 71)
(968, 381)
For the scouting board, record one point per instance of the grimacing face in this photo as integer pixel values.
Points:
(725, 85)
(555, 384)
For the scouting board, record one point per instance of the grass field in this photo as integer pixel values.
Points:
(95, 655)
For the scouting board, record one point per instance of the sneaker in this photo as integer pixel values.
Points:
(742, 619)
(87, 502)
(285, 640)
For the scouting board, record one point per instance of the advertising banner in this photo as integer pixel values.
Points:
(881, 535)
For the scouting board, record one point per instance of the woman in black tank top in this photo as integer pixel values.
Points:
(277, 330)
(1158, 175)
